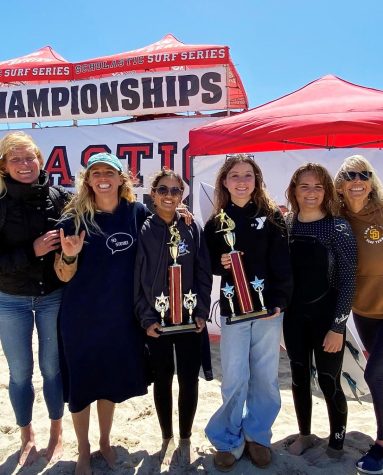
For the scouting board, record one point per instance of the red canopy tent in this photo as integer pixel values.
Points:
(39, 66)
(326, 113)
(167, 54)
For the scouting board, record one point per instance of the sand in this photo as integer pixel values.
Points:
(137, 438)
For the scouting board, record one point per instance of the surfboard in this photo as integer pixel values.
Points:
(354, 364)
(206, 200)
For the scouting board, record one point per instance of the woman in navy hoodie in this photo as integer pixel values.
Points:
(151, 276)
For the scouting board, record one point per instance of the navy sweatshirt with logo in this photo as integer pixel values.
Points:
(152, 262)
(265, 256)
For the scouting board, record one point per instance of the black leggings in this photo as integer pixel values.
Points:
(187, 348)
(370, 331)
(304, 332)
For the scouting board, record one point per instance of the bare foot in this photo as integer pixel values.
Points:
(301, 443)
(54, 451)
(28, 451)
(109, 455)
(28, 454)
(167, 450)
(83, 464)
(186, 453)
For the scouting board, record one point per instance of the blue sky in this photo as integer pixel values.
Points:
(277, 45)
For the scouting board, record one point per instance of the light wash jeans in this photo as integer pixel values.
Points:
(250, 390)
(18, 314)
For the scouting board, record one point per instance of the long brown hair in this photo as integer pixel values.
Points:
(330, 203)
(260, 196)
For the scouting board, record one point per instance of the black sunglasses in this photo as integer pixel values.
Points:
(165, 190)
(363, 175)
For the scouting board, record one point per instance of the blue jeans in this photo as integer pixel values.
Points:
(250, 390)
(17, 317)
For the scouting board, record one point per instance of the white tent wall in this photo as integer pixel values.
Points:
(66, 146)
(277, 168)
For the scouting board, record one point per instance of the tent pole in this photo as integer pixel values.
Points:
(191, 180)
(227, 91)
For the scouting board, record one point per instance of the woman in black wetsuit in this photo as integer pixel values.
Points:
(323, 255)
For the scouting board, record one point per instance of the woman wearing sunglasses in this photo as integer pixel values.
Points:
(361, 193)
(152, 281)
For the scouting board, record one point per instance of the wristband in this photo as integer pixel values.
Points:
(68, 259)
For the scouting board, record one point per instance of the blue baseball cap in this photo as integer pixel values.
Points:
(107, 158)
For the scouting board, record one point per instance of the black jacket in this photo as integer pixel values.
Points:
(265, 255)
(152, 262)
(29, 212)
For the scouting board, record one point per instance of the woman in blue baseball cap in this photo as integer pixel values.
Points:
(102, 344)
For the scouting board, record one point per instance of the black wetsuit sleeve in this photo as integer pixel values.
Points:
(345, 251)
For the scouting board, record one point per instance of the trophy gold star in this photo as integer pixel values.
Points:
(190, 302)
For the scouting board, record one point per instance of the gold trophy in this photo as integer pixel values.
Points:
(190, 302)
(175, 303)
(162, 305)
(241, 286)
(175, 277)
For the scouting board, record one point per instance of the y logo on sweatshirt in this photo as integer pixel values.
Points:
(259, 222)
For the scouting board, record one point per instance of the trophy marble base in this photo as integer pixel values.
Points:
(246, 317)
(173, 329)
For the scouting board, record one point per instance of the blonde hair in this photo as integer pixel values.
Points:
(356, 163)
(260, 196)
(82, 207)
(11, 142)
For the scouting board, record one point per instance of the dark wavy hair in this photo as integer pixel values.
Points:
(166, 172)
(330, 204)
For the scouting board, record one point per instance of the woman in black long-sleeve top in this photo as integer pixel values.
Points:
(151, 275)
